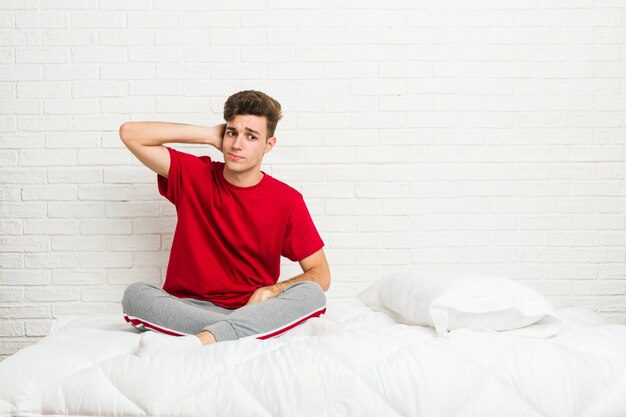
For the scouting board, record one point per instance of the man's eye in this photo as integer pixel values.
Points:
(230, 133)
(252, 137)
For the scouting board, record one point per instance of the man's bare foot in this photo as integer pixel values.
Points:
(206, 337)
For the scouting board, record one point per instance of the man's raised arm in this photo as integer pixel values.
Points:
(145, 140)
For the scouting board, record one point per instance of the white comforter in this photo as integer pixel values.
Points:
(351, 362)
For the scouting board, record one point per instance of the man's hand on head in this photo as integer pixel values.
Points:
(263, 293)
(214, 135)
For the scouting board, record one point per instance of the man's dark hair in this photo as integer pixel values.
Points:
(254, 103)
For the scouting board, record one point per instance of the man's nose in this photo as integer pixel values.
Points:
(238, 142)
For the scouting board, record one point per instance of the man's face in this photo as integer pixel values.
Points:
(245, 142)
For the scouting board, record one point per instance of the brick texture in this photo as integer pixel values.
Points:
(484, 135)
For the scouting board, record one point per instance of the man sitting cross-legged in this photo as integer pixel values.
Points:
(234, 224)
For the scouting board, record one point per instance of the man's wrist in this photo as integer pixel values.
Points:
(280, 286)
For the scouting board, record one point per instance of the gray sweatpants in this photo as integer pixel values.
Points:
(148, 307)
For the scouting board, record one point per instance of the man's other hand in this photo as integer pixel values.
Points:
(263, 293)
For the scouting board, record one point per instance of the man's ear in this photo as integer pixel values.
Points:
(270, 144)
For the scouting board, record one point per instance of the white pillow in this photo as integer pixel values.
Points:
(449, 301)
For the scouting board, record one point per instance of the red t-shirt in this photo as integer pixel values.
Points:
(228, 239)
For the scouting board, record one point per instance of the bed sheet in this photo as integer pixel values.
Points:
(351, 362)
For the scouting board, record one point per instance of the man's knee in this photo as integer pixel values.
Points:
(133, 295)
(311, 293)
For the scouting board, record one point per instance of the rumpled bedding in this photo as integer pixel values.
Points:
(353, 361)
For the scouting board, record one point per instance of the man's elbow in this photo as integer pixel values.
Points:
(125, 132)
(325, 280)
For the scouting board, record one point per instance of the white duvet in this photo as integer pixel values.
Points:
(351, 362)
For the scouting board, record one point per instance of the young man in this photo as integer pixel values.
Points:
(234, 223)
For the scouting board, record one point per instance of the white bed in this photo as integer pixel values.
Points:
(353, 361)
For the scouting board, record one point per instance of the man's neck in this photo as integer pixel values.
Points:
(244, 179)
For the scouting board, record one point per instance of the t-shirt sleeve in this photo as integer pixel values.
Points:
(169, 187)
(301, 237)
(184, 168)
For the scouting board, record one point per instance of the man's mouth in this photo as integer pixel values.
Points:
(235, 157)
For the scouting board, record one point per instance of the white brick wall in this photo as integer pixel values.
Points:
(484, 134)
